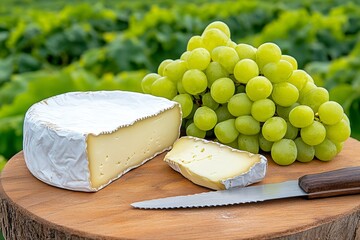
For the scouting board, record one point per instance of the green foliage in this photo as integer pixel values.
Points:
(2, 165)
(312, 36)
(342, 78)
(162, 32)
(44, 39)
(11, 136)
(58, 46)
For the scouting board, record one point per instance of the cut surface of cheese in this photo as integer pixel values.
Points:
(85, 140)
(110, 154)
(215, 165)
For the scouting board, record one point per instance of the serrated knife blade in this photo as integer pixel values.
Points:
(232, 196)
(327, 184)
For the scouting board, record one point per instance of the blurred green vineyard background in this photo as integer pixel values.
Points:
(52, 47)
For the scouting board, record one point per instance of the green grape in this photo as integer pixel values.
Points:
(162, 66)
(258, 88)
(185, 55)
(186, 103)
(194, 81)
(147, 81)
(249, 143)
(194, 131)
(194, 42)
(219, 25)
(247, 125)
(285, 111)
(338, 132)
(246, 51)
(239, 105)
(267, 53)
(305, 152)
(215, 53)
(213, 38)
(233, 144)
(330, 112)
(264, 144)
(198, 58)
(225, 131)
(339, 146)
(345, 117)
(284, 152)
(222, 90)
(180, 87)
(223, 113)
(163, 87)
(326, 150)
(291, 60)
(301, 116)
(191, 115)
(314, 98)
(284, 94)
(232, 77)
(278, 72)
(299, 78)
(208, 101)
(245, 70)
(307, 88)
(226, 56)
(240, 88)
(231, 44)
(205, 118)
(175, 70)
(313, 134)
(291, 131)
(187, 122)
(263, 109)
(274, 129)
(215, 71)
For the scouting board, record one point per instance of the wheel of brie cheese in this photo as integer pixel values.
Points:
(85, 140)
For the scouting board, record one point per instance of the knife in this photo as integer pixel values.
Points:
(343, 181)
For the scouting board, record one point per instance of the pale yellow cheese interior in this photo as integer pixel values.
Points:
(208, 164)
(111, 155)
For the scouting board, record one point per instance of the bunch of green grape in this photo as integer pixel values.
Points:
(253, 99)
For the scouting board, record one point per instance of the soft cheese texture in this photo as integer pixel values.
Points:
(84, 140)
(110, 154)
(214, 165)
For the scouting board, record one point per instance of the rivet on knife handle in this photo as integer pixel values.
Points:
(333, 183)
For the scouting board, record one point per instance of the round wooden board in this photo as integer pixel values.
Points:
(32, 209)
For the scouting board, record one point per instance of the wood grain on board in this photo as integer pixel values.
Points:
(32, 209)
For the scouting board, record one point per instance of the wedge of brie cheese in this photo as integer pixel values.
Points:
(214, 165)
(85, 140)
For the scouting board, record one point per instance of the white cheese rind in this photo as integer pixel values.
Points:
(214, 165)
(57, 130)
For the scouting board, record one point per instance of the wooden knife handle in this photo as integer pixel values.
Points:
(334, 183)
